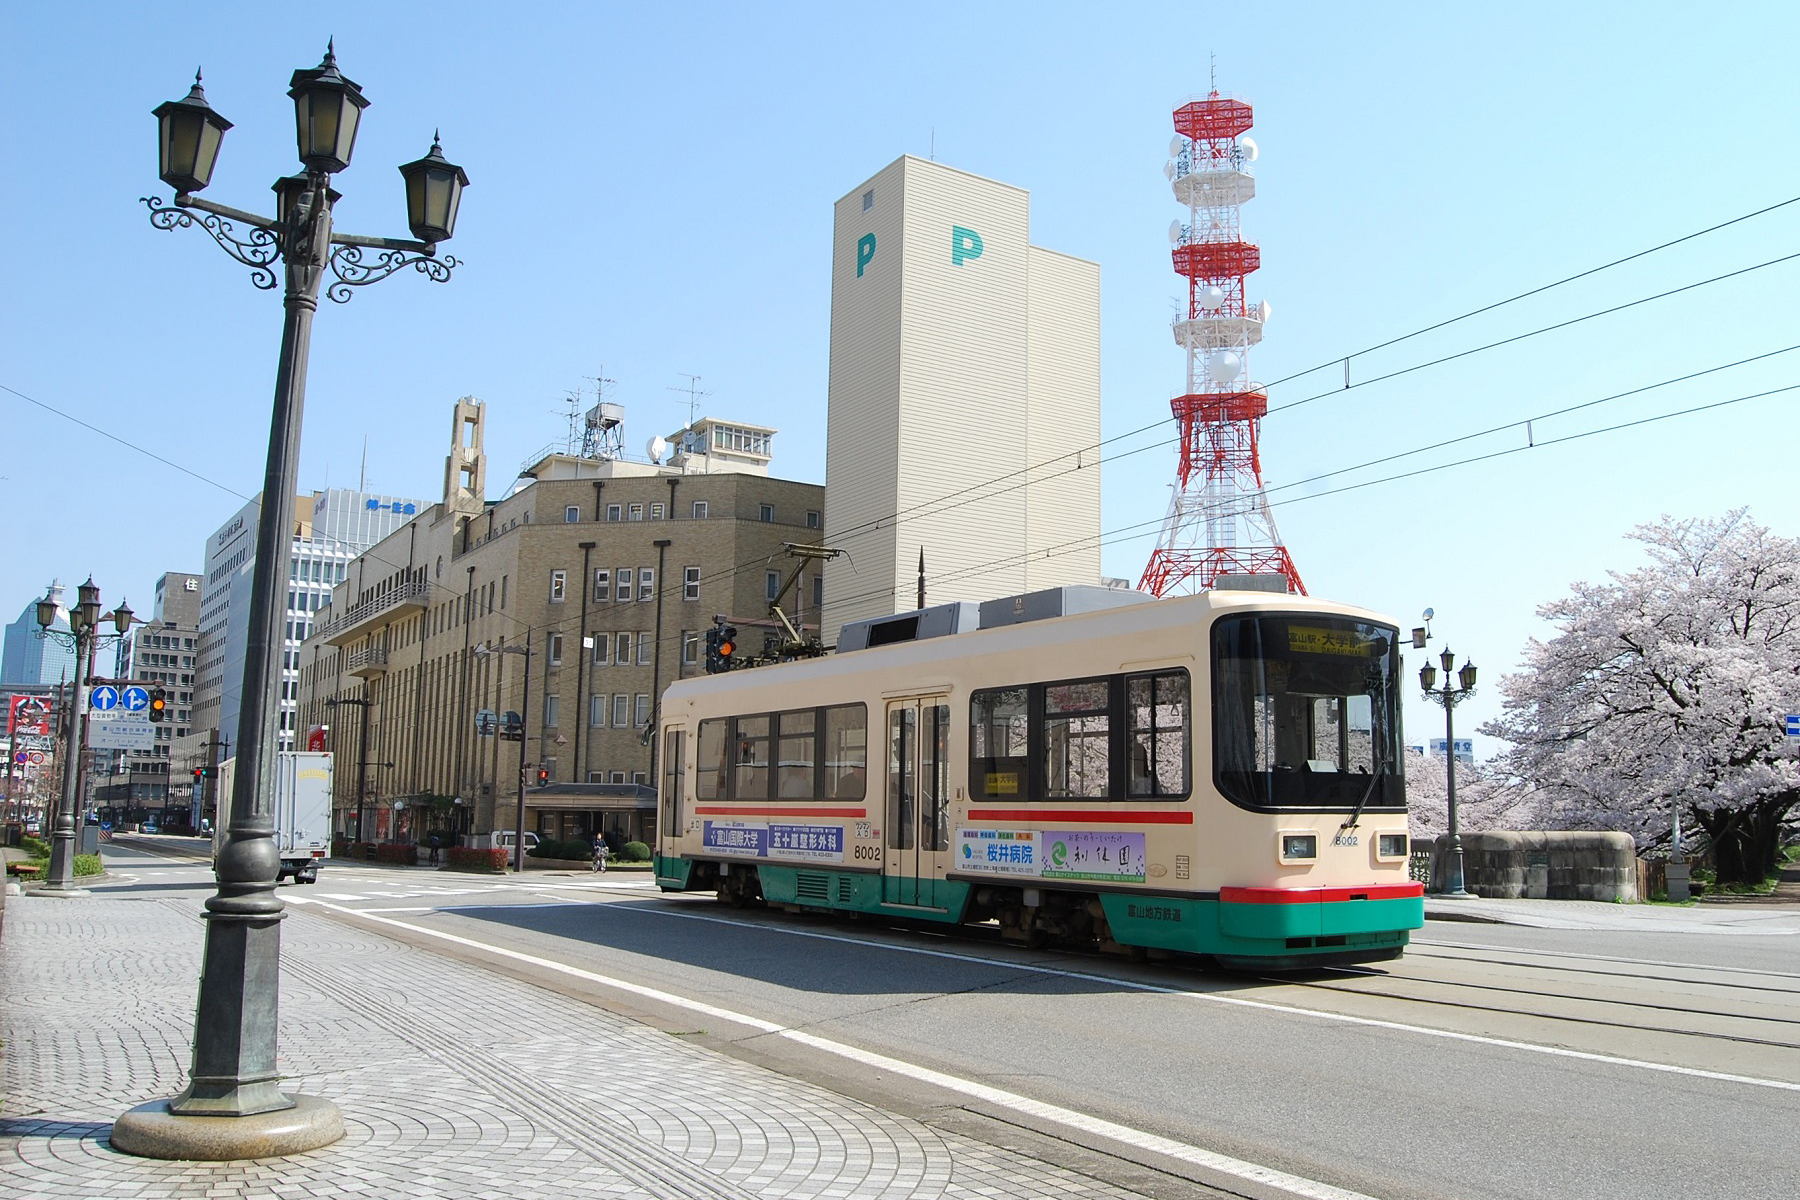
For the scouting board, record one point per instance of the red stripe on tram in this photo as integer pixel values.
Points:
(808, 811)
(1320, 895)
(1081, 816)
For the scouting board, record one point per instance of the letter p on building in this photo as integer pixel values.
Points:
(964, 243)
(865, 252)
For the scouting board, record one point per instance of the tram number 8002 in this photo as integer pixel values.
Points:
(871, 853)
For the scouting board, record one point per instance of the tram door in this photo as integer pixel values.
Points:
(918, 811)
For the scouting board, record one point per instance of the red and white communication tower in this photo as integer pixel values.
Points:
(1219, 530)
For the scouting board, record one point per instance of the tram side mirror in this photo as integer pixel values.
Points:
(1418, 637)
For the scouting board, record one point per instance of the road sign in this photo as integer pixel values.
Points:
(134, 699)
(121, 731)
(104, 698)
(1793, 725)
(37, 757)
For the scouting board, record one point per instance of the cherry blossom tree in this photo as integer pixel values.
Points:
(1666, 686)
(1484, 800)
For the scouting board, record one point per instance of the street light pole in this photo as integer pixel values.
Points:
(83, 637)
(1451, 886)
(235, 1075)
(483, 651)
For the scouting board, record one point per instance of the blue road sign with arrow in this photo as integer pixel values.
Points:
(134, 699)
(104, 698)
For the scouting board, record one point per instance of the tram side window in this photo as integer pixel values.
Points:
(710, 760)
(1115, 738)
(998, 756)
(798, 772)
(1077, 740)
(1157, 740)
(752, 758)
(846, 752)
(798, 754)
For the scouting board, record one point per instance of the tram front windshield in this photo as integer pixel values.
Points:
(1306, 713)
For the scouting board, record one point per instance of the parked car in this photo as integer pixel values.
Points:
(505, 840)
(152, 827)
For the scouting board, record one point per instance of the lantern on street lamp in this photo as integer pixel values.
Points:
(434, 187)
(327, 109)
(188, 142)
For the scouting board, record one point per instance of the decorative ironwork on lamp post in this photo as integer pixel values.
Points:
(1450, 695)
(234, 1072)
(83, 637)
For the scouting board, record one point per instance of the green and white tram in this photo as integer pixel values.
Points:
(1216, 774)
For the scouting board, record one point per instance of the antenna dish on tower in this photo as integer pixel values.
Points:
(1248, 145)
(1174, 232)
(1176, 144)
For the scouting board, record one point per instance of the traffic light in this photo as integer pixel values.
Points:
(199, 774)
(714, 664)
(543, 776)
(159, 704)
(727, 646)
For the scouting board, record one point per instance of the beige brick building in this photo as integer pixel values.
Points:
(609, 571)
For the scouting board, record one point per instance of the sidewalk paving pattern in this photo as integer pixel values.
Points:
(454, 1082)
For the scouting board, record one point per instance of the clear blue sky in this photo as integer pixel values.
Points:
(652, 195)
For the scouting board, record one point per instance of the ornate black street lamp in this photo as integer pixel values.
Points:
(1451, 886)
(83, 636)
(233, 1106)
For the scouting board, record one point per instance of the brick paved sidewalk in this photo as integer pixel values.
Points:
(453, 1082)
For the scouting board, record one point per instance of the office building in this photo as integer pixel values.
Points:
(964, 397)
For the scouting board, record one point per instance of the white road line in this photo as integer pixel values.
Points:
(1296, 1185)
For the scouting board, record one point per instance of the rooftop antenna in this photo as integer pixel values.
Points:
(573, 416)
(1213, 71)
(362, 481)
(933, 156)
(694, 395)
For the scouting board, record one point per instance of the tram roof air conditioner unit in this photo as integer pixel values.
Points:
(940, 620)
(1056, 602)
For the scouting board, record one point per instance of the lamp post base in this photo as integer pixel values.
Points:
(152, 1131)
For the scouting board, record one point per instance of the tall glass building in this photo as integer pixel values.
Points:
(33, 660)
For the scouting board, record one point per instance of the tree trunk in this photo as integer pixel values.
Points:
(1746, 842)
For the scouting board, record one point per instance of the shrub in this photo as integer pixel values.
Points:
(404, 853)
(491, 861)
(571, 848)
(634, 852)
(35, 847)
(89, 864)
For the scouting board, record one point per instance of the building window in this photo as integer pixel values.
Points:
(644, 648)
(621, 711)
(618, 777)
(765, 512)
(698, 512)
(636, 512)
(556, 647)
(572, 513)
(690, 583)
(818, 591)
(623, 595)
(615, 512)
(690, 649)
(812, 518)
(602, 648)
(868, 199)
(597, 711)
(643, 710)
(551, 708)
(656, 512)
(772, 584)
(622, 650)
(646, 583)
(602, 585)
(559, 586)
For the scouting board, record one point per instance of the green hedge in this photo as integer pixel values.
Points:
(462, 858)
(89, 864)
(634, 852)
(404, 853)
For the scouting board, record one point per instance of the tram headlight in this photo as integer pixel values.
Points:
(1391, 845)
(1298, 847)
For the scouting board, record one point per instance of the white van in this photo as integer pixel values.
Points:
(506, 839)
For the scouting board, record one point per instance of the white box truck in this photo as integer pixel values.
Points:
(302, 812)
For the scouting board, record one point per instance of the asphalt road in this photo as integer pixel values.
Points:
(1492, 1061)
